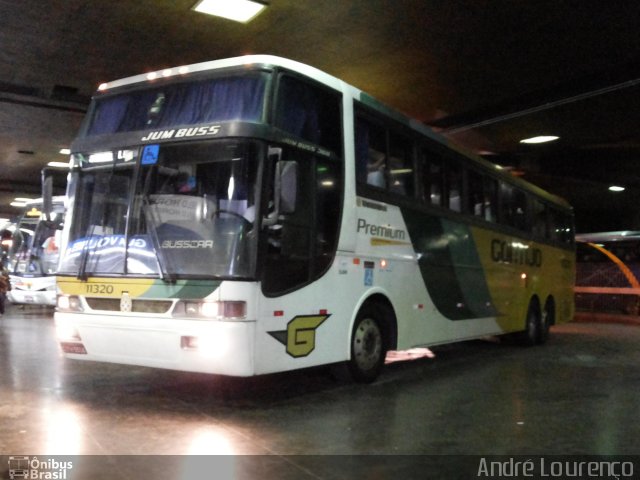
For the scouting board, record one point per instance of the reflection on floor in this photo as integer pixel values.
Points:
(575, 395)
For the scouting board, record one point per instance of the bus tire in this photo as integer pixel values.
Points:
(533, 325)
(368, 344)
(547, 319)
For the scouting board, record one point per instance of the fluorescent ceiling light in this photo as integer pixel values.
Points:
(59, 164)
(18, 204)
(238, 10)
(65, 151)
(616, 188)
(540, 139)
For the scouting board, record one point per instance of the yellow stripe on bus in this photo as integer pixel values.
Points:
(382, 242)
(107, 287)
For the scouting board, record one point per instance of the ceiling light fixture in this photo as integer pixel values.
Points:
(540, 139)
(239, 10)
(616, 188)
(58, 164)
(64, 151)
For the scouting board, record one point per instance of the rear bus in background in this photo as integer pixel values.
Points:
(34, 253)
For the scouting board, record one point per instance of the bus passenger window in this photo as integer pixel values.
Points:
(490, 199)
(432, 178)
(475, 198)
(309, 112)
(400, 165)
(370, 146)
(376, 168)
(454, 187)
(539, 227)
(561, 227)
(513, 207)
(482, 196)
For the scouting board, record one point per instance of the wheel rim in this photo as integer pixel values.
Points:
(545, 323)
(533, 324)
(367, 344)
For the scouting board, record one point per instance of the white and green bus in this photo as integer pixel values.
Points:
(256, 215)
(33, 255)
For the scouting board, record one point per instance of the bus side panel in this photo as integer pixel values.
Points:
(312, 326)
(518, 270)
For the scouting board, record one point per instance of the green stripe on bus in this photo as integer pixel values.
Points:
(182, 289)
(450, 266)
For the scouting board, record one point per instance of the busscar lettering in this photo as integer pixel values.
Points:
(169, 244)
(181, 133)
(380, 230)
(515, 253)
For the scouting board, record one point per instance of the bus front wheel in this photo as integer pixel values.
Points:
(368, 346)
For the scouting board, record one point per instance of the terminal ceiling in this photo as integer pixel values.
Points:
(485, 73)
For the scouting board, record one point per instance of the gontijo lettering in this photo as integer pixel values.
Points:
(516, 253)
(380, 230)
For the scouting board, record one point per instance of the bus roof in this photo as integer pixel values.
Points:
(270, 61)
(244, 61)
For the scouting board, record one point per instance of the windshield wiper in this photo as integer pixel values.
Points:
(84, 255)
(165, 274)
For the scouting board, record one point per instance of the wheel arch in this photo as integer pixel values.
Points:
(550, 308)
(390, 327)
(534, 302)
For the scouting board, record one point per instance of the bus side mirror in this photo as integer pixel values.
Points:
(288, 172)
(47, 194)
(285, 191)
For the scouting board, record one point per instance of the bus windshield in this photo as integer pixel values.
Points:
(34, 249)
(188, 210)
(228, 98)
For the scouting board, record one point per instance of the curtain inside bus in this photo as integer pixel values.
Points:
(219, 99)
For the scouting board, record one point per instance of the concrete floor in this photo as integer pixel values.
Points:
(579, 394)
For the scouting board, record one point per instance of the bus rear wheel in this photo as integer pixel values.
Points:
(536, 325)
(368, 345)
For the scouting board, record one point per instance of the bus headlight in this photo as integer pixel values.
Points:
(69, 303)
(226, 310)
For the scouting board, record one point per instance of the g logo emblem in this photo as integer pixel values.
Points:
(300, 335)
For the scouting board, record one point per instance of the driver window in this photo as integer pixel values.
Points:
(301, 245)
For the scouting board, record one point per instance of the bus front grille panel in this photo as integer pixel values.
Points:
(137, 305)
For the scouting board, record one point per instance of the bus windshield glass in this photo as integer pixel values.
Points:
(228, 98)
(188, 210)
(34, 243)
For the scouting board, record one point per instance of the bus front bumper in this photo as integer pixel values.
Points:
(34, 297)
(207, 346)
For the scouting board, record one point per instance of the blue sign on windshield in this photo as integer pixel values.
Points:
(150, 155)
